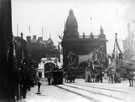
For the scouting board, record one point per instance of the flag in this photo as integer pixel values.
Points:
(91, 18)
(83, 58)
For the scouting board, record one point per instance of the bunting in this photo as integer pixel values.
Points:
(98, 56)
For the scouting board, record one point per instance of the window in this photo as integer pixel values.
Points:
(40, 74)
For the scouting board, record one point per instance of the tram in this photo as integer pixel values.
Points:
(53, 70)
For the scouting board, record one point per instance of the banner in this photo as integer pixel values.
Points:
(83, 58)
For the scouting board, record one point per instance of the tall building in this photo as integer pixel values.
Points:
(80, 45)
(129, 42)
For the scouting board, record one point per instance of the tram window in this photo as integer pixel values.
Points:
(40, 74)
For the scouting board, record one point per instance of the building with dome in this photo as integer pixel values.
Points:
(79, 44)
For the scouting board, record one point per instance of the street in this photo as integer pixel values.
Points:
(82, 91)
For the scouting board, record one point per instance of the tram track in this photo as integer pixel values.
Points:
(93, 92)
(103, 88)
(89, 94)
(80, 94)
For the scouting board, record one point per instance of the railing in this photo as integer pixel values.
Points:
(89, 36)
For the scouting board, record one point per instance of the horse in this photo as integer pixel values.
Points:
(70, 78)
(130, 77)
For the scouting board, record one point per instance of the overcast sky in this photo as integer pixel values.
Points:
(112, 15)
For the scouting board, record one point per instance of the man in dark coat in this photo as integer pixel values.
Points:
(39, 84)
(49, 80)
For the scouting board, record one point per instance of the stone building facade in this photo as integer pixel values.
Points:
(80, 45)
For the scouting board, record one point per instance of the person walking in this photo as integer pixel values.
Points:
(49, 79)
(24, 87)
(101, 77)
(39, 84)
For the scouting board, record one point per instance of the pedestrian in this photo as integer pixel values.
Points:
(101, 77)
(49, 79)
(39, 84)
(24, 87)
(66, 78)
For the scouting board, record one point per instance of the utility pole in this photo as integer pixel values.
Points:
(42, 31)
(17, 30)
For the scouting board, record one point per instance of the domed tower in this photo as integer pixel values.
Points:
(71, 26)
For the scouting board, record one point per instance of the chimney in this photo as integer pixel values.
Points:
(21, 35)
(34, 37)
(28, 38)
(83, 35)
(40, 39)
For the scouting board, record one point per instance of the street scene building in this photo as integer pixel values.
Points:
(39, 48)
(80, 45)
(75, 64)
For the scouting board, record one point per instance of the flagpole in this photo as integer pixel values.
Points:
(29, 30)
(17, 29)
(50, 35)
(91, 24)
(42, 31)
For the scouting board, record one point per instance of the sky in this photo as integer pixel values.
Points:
(112, 15)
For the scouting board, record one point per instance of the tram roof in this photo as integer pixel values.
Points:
(49, 59)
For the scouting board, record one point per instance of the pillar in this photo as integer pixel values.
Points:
(7, 79)
(43, 74)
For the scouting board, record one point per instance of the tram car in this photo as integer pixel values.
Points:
(57, 76)
(53, 71)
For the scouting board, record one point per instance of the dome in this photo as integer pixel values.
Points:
(71, 20)
(71, 27)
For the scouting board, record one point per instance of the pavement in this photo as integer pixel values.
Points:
(80, 92)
